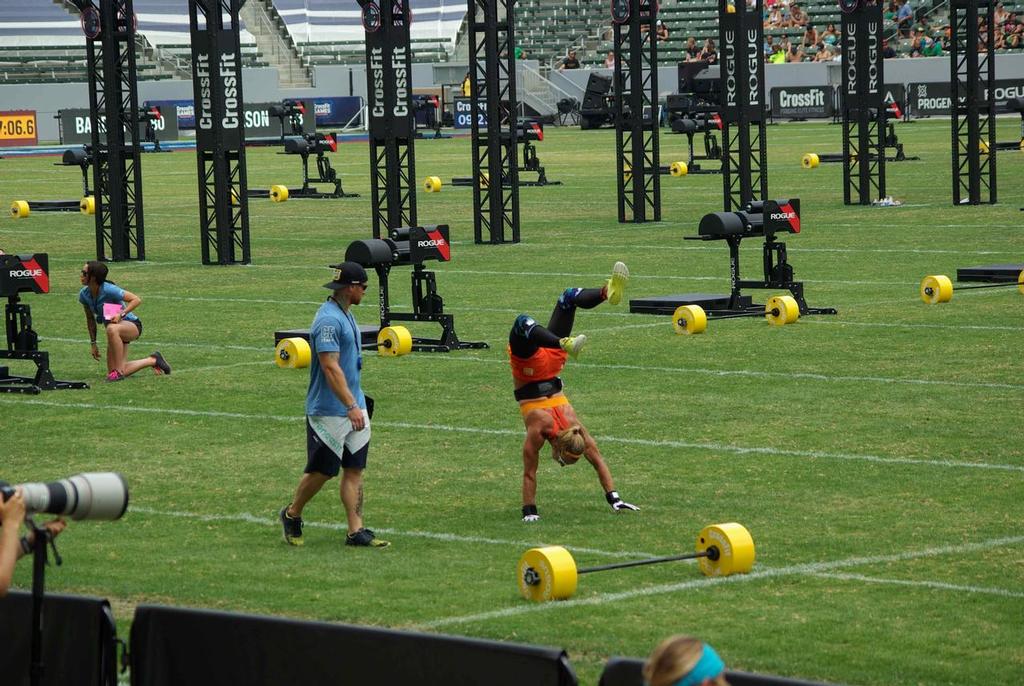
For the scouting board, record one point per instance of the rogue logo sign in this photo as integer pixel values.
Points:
(753, 62)
(730, 68)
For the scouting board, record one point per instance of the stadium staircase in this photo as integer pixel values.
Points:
(276, 44)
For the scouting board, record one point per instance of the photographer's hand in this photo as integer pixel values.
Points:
(12, 512)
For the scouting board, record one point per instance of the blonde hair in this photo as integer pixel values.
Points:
(674, 658)
(568, 445)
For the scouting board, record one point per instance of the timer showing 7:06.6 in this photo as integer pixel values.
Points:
(18, 128)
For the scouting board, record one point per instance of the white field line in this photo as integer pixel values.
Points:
(332, 526)
(751, 373)
(653, 443)
(266, 350)
(808, 569)
(959, 588)
(897, 325)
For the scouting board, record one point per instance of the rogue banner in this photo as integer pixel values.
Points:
(934, 98)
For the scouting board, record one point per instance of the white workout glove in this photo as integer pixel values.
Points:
(530, 513)
(617, 503)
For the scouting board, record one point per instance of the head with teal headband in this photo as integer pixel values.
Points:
(684, 661)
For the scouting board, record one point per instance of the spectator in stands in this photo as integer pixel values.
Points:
(769, 46)
(810, 38)
(795, 54)
(1001, 15)
(684, 660)
(467, 86)
(609, 60)
(692, 52)
(830, 37)
(779, 56)
(708, 53)
(827, 53)
(775, 20)
(570, 61)
(891, 10)
(12, 515)
(887, 50)
(1014, 32)
(797, 16)
(930, 47)
(905, 18)
(784, 43)
(661, 31)
(108, 304)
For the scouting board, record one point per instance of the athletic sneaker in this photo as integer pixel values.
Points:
(573, 345)
(366, 538)
(115, 376)
(292, 528)
(616, 285)
(161, 364)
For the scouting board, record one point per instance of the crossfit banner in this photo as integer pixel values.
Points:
(464, 114)
(18, 127)
(389, 68)
(336, 111)
(76, 127)
(935, 98)
(802, 102)
(217, 81)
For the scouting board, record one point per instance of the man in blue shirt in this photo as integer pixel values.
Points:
(337, 421)
(905, 17)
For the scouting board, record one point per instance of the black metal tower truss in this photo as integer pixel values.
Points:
(973, 106)
(863, 104)
(392, 126)
(494, 107)
(109, 27)
(637, 157)
(220, 133)
(744, 138)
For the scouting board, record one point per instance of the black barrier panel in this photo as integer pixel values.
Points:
(175, 646)
(76, 127)
(78, 640)
(623, 671)
(802, 102)
(935, 98)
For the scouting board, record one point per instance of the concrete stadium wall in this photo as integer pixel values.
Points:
(261, 85)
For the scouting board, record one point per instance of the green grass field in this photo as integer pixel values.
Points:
(875, 456)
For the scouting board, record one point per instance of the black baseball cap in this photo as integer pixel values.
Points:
(346, 274)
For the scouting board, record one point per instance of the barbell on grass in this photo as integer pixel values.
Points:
(19, 209)
(779, 310)
(550, 573)
(938, 288)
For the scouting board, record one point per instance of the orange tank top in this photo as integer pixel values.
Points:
(554, 407)
(544, 364)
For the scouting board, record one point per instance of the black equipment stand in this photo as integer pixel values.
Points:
(73, 157)
(744, 139)
(304, 146)
(492, 77)
(697, 109)
(637, 161)
(26, 273)
(973, 107)
(412, 246)
(756, 220)
(220, 131)
(528, 131)
(392, 126)
(110, 27)
(863, 107)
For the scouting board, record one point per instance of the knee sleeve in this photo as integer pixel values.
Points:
(567, 300)
(523, 326)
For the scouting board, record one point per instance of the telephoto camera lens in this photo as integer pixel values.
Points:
(94, 495)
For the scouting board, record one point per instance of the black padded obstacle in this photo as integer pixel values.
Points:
(991, 273)
(109, 28)
(637, 159)
(973, 107)
(220, 132)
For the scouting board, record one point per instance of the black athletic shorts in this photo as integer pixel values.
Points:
(323, 457)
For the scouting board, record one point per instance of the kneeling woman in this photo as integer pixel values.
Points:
(108, 304)
(537, 355)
